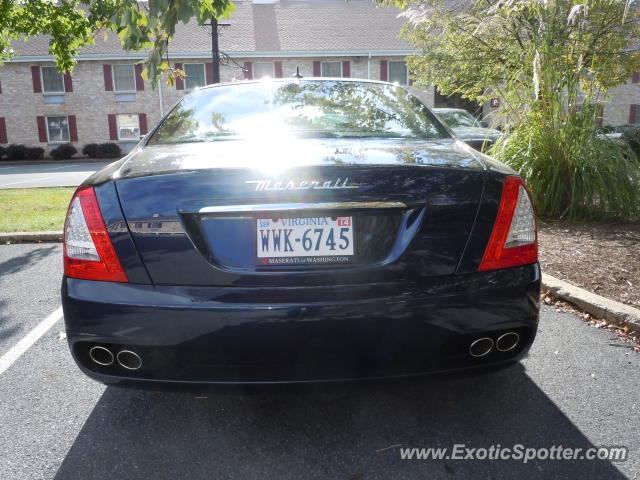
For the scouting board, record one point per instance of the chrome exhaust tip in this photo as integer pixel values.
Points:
(129, 360)
(507, 342)
(481, 347)
(101, 355)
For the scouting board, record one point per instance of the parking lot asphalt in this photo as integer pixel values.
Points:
(47, 175)
(578, 387)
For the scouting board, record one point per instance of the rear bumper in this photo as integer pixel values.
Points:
(302, 334)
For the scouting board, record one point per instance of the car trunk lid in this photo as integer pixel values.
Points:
(195, 211)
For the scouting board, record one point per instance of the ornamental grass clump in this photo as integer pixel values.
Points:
(573, 172)
(550, 64)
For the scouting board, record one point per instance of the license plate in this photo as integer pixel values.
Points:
(306, 240)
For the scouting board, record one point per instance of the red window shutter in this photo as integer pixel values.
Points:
(208, 72)
(3, 131)
(277, 69)
(248, 70)
(633, 110)
(35, 77)
(384, 69)
(179, 80)
(139, 80)
(108, 78)
(142, 120)
(113, 127)
(317, 71)
(68, 83)
(42, 129)
(73, 128)
(635, 78)
(346, 69)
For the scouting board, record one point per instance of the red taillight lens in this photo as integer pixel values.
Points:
(88, 251)
(514, 239)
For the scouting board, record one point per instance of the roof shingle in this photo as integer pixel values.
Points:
(299, 26)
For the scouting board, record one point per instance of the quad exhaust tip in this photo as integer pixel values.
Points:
(101, 355)
(507, 342)
(129, 360)
(481, 347)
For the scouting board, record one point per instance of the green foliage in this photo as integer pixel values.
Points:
(63, 152)
(35, 153)
(16, 152)
(90, 150)
(73, 24)
(102, 150)
(573, 172)
(632, 138)
(522, 50)
(108, 150)
(551, 62)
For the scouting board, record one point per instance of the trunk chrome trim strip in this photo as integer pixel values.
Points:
(270, 207)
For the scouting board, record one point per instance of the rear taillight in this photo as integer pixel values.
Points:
(514, 240)
(88, 251)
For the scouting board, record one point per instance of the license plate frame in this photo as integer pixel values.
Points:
(298, 258)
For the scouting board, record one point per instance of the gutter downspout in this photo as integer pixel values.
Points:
(369, 67)
(160, 98)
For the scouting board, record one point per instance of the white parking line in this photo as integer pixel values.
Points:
(28, 340)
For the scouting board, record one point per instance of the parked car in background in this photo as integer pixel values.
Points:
(468, 128)
(617, 131)
(296, 231)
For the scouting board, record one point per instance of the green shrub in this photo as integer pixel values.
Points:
(16, 152)
(3, 151)
(35, 153)
(108, 150)
(102, 150)
(632, 138)
(90, 150)
(64, 151)
(572, 172)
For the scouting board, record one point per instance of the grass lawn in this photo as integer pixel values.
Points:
(33, 209)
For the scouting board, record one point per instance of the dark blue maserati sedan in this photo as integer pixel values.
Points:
(299, 230)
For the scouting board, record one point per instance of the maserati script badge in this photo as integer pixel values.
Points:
(271, 185)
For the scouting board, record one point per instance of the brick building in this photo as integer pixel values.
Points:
(105, 99)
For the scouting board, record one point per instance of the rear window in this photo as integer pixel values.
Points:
(320, 109)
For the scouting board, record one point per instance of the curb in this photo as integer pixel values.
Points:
(595, 305)
(30, 237)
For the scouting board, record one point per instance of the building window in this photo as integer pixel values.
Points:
(262, 69)
(124, 78)
(58, 129)
(52, 81)
(398, 73)
(128, 127)
(195, 75)
(331, 69)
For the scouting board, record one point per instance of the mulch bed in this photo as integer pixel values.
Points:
(601, 258)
